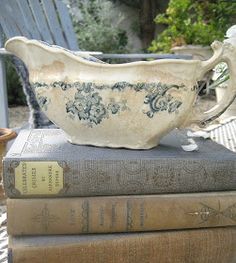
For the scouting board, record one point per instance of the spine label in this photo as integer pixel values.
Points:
(39, 178)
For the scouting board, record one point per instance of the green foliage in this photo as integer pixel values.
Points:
(193, 22)
(15, 92)
(97, 26)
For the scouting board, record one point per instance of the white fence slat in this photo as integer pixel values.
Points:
(7, 24)
(41, 22)
(3, 95)
(7, 20)
(53, 22)
(15, 15)
(67, 25)
(28, 18)
(1, 37)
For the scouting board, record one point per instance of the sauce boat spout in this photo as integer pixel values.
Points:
(19, 47)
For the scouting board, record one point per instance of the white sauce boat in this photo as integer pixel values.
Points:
(130, 105)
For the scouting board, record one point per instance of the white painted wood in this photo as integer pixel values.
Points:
(3, 96)
(1, 36)
(7, 24)
(53, 22)
(14, 14)
(37, 11)
(26, 14)
(66, 24)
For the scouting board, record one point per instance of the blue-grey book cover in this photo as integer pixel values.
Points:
(41, 163)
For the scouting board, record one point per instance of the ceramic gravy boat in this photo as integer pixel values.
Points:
(128, 105)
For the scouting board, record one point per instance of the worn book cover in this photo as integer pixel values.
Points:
(211, 245)
(110, 214)
(42, 163)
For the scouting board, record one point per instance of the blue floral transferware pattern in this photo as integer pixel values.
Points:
(89, 107)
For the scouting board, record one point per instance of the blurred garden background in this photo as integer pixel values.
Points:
(136, 26)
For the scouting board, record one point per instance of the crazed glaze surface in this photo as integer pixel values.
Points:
(128, 105)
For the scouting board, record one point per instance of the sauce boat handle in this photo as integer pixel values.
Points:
(223, 52)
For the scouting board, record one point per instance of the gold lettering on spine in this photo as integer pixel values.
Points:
(72, 217)
(113, 216)
(101, 216)
(85, 217)
(142, 214)
(24, 178)
(57, 178)
(50, 183)
(34, 178)
(129, 214)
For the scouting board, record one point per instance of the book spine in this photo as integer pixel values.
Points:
(198, 246)
(120, 213)
(44, 178)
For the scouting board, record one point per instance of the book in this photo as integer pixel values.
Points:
(110, 214)
(41, 163)
(211, 245)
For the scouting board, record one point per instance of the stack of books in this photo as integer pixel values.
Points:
(69, 203)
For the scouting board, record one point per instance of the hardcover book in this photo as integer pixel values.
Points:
(41, 163)
(110, 214)
(211, 245)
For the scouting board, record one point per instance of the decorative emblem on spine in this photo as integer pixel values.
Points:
(206, 213)
(45, 218)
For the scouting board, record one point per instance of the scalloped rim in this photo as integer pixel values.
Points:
(60, 50)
